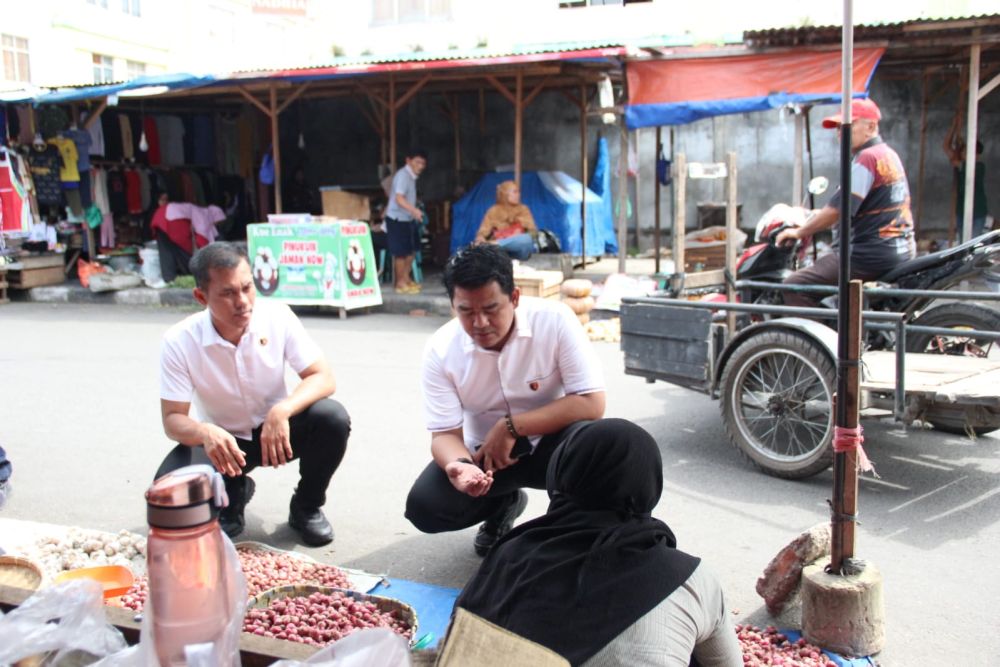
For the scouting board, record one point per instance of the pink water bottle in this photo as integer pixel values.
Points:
(189, 584)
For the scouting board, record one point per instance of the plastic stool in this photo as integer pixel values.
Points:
(386, 260)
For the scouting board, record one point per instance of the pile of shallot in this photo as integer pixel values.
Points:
(770, 647)
(265, 569)
(320, 619)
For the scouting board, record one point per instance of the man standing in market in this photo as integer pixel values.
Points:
(402, 220)
(229, 359)
(881, 221)
(505, 383)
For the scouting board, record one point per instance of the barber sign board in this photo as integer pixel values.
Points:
(314, 264)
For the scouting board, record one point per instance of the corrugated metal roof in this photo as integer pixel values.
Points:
(474, 56)
(807, 35)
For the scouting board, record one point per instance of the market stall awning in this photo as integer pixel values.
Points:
(673, 92)
(143, 86)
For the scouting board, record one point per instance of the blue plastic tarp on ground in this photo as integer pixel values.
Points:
(554, 200)
(432, 604)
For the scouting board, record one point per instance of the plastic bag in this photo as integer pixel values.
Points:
(266, 174)
(82, 625)
(85, 269)
(223, 652)
(373, 647)
(150, 268)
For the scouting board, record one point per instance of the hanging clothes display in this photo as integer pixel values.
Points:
(204, 141)
(116, 192)
(15, 210)
(133, 191)
(68, 172)
(45, 165)
(112, 134)
(100, 190)
(171, 130)
(96, 132)
(152, 140)
(26, 134)
(128, 143)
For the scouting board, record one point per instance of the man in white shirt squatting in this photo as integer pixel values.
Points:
(230, 360)
(505, 383)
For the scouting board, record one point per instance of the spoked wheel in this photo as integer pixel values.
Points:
(777, 404)
(959, 316)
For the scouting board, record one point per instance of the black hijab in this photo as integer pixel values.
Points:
(596, 561)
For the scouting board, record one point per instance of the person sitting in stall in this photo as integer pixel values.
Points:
(178, 228)
(596, 578)
(509, 224)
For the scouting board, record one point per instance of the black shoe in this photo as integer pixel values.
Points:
(231, 517)
(310, 524)
(499, 524)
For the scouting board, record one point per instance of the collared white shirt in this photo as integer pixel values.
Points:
(234, 386)
(546, 357)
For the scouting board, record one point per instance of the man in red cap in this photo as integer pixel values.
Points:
(881, 221)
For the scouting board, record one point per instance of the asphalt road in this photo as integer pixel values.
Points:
(79, 417)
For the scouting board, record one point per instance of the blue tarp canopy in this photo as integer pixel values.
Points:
(142, 86)
(554, 200)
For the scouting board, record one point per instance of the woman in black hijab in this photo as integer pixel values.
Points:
(596, 578)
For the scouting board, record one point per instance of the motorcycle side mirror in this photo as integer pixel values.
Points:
(818, 185)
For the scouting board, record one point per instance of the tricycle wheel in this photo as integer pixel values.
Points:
(960, 420)
(956, 316)
(777, 399)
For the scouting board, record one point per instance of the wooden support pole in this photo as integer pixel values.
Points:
(680, 218)
(392, 124)
(534, 93)
(656, 201)
(294, 96)
(622, 195)
(253, 100)
(518, 127)
(456, 125)
(923, 153)
(482, 111)
(502, 89)
(972, 131)
(583, 175)
(408, 95)
(732, 208)
(845, 464)
(797, 159)
(276, 143)
(92, 118)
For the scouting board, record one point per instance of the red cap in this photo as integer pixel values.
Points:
(864, 109)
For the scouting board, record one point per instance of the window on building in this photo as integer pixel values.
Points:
(130, 7)
(104, 70)
(15, 58)
(409, 11)
(135, 69)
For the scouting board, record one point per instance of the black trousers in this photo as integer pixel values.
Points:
(435, 506)
(174, 259)
(318, 436)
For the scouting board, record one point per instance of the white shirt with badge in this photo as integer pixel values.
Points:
(234, 386)
(548, 356)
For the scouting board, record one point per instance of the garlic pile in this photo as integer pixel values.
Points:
(87, 548)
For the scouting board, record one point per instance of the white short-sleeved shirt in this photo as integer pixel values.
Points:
(547, 357)
(234, 386)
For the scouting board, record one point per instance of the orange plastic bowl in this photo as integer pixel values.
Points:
(116, 579)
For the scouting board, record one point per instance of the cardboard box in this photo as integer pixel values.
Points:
(345, 205)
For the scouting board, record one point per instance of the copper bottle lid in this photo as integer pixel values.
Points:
(186, 497)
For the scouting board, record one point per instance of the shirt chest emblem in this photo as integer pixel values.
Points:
(533, 386)
(263, 341)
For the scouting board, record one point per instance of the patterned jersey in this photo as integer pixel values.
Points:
(881, 221)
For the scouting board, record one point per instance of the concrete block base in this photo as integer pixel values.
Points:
(844, 614)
